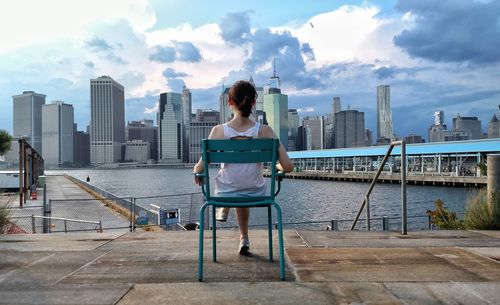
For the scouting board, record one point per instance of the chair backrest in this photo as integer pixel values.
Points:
(239, 151)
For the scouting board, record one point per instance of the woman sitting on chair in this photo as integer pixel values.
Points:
(246, 179)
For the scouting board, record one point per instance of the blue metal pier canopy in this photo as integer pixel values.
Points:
(457, 147)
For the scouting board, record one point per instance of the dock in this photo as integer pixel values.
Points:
(394, 178)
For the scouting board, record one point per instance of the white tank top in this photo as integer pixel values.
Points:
(240, 179)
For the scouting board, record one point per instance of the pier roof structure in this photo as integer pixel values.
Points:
(483, 146)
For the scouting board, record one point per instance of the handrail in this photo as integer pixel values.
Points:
(404, 229)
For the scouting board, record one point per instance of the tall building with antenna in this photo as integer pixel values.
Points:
(276, 108)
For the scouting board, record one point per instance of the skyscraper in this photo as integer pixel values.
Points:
(314, 128)
(349, 129)
(57, 133)
(276, 109)
(435, 132)
(28, 118)
(494, 127)
(384, 113)
(336, 106)
(81, 147)
(146, 131)
(258, 109)
(293, 129)
(439, 117)
(107, 124)
(473, 124)
(170, 124)
(186, 120)
(225, 111)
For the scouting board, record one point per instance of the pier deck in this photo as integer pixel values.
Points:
(323, 267)
(412, 178)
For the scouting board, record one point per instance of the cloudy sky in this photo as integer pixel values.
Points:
(435, 54)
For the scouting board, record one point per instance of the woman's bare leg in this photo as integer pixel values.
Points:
(243, 214)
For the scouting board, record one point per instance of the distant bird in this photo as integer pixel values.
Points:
(311, 25)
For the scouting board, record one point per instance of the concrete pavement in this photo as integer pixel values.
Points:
(323, 267)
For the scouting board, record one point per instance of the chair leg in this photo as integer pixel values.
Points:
(270, 230)
(214, 233)
(200, 243)
(280, 237)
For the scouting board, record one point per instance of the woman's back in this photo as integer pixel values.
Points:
(240, 179)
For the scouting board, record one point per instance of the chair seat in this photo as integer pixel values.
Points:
(241, 201)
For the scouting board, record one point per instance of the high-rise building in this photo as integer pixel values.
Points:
(413, 139)
(494, 127)
(349, 129)
(435, 132)
(336, 106)
(81, 148)
(28, 118)
(293, 129)
(468, 123)
(199, 131)
(314, 127)
(107, 123)
(368, 137)
(384, 113)
(276, 109)
(57, 133)
(258, 109)
(439, 117)
(144, 130)
(226, 113)
(170, 125)
(207, 115)
(137, 151)
(186, 120)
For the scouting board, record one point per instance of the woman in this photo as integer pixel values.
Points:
(242, 179)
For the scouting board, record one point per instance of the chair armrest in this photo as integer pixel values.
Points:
(201, 178)
(279, 177)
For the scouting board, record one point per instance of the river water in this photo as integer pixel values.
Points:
(301, 200)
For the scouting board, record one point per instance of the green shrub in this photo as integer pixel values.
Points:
(5, 141)
(443, 218)
(478, 215)
(4, 218)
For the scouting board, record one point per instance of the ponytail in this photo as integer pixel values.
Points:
(243, 94)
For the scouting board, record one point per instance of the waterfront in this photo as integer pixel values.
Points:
(302, 200)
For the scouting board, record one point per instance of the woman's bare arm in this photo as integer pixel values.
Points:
(284, 162)
(216, 133)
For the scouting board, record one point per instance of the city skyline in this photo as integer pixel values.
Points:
(205, 48)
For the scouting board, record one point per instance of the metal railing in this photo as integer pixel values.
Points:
(98, 224)
(366, 201)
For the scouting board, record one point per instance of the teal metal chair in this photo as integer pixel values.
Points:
(240, 151)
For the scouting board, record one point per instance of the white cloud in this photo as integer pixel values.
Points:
(307, 109)
(27, 23)
(217, 57)
(151, 110)
(335, 36)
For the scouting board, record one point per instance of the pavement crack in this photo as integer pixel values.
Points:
(121, 298)
(81, 268)
(302, 238)
(107, 242)
(3, 277)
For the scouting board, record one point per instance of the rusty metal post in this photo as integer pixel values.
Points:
(21, 144)
(25, 173)
(493, 163)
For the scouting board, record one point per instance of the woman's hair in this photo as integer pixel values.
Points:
(243, 94)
